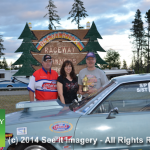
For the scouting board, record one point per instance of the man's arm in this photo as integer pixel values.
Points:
(31, 88)
(31, 95)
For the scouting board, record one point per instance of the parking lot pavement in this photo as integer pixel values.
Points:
(19, 92)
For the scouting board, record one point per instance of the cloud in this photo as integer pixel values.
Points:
(112, 18)
(11, 44)
(119, 43)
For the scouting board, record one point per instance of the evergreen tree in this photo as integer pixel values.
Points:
(93, 45)
(77, 12)
(147, 43)
(124, 65)
(1, 46)
(5, 65)
(112, 58)
(138, 36)
(1, 65)
(26, 59)
(52, 15)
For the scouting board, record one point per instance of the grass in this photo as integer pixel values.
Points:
(8, 102)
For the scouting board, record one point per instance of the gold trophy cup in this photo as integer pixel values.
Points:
(85, 86)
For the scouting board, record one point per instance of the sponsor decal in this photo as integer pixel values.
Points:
(50, 86)
(60, 35)
(22, 131)
(67, 147)
(86, 109)
(61, 127)
(20, 105)
(8, 135)
(2, 128)
(62, 138)
(144, 87)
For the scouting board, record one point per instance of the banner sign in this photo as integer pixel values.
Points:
(60, 35)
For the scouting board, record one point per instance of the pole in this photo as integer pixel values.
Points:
(148, 48)
(138, 59)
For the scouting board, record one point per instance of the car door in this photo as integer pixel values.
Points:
(128, 129)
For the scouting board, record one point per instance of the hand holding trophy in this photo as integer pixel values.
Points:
(85, 85)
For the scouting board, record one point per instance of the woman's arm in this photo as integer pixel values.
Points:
(60, 92)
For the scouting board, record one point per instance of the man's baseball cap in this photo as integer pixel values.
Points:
(46, 57)
(90, 54)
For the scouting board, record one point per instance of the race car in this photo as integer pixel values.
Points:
(116, 117)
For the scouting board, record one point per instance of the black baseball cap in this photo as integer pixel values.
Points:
(46, 57)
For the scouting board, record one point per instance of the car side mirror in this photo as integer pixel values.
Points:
(112, 110)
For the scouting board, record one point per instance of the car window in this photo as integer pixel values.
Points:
(90, 100)
(132, 97)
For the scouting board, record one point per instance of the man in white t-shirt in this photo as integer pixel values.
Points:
(96, 77)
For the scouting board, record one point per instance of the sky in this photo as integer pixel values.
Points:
(113, 20)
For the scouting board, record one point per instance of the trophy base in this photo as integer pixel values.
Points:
(85, 89)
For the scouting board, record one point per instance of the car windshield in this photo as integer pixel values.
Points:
(91, 99)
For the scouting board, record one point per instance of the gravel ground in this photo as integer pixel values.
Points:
(8, 102)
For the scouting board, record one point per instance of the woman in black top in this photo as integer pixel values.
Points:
(67, 84)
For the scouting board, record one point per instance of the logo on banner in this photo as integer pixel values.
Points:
(60, 35)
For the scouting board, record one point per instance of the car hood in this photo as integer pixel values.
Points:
(38, 111)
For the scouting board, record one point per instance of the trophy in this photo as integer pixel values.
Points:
(85, 86)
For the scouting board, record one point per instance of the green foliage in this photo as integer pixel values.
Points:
(112, 58)
(29, 71)
(124, 65)
(93, 45)
(137, 30)
(4, 64)
(138, 41)
(27, 34)
(93, 34)
(1, 46)
(147, 42)
(26, 59)
(53, 17)
(1, 65)
(77, 12)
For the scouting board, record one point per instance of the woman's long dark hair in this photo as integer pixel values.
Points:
(62, 70)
